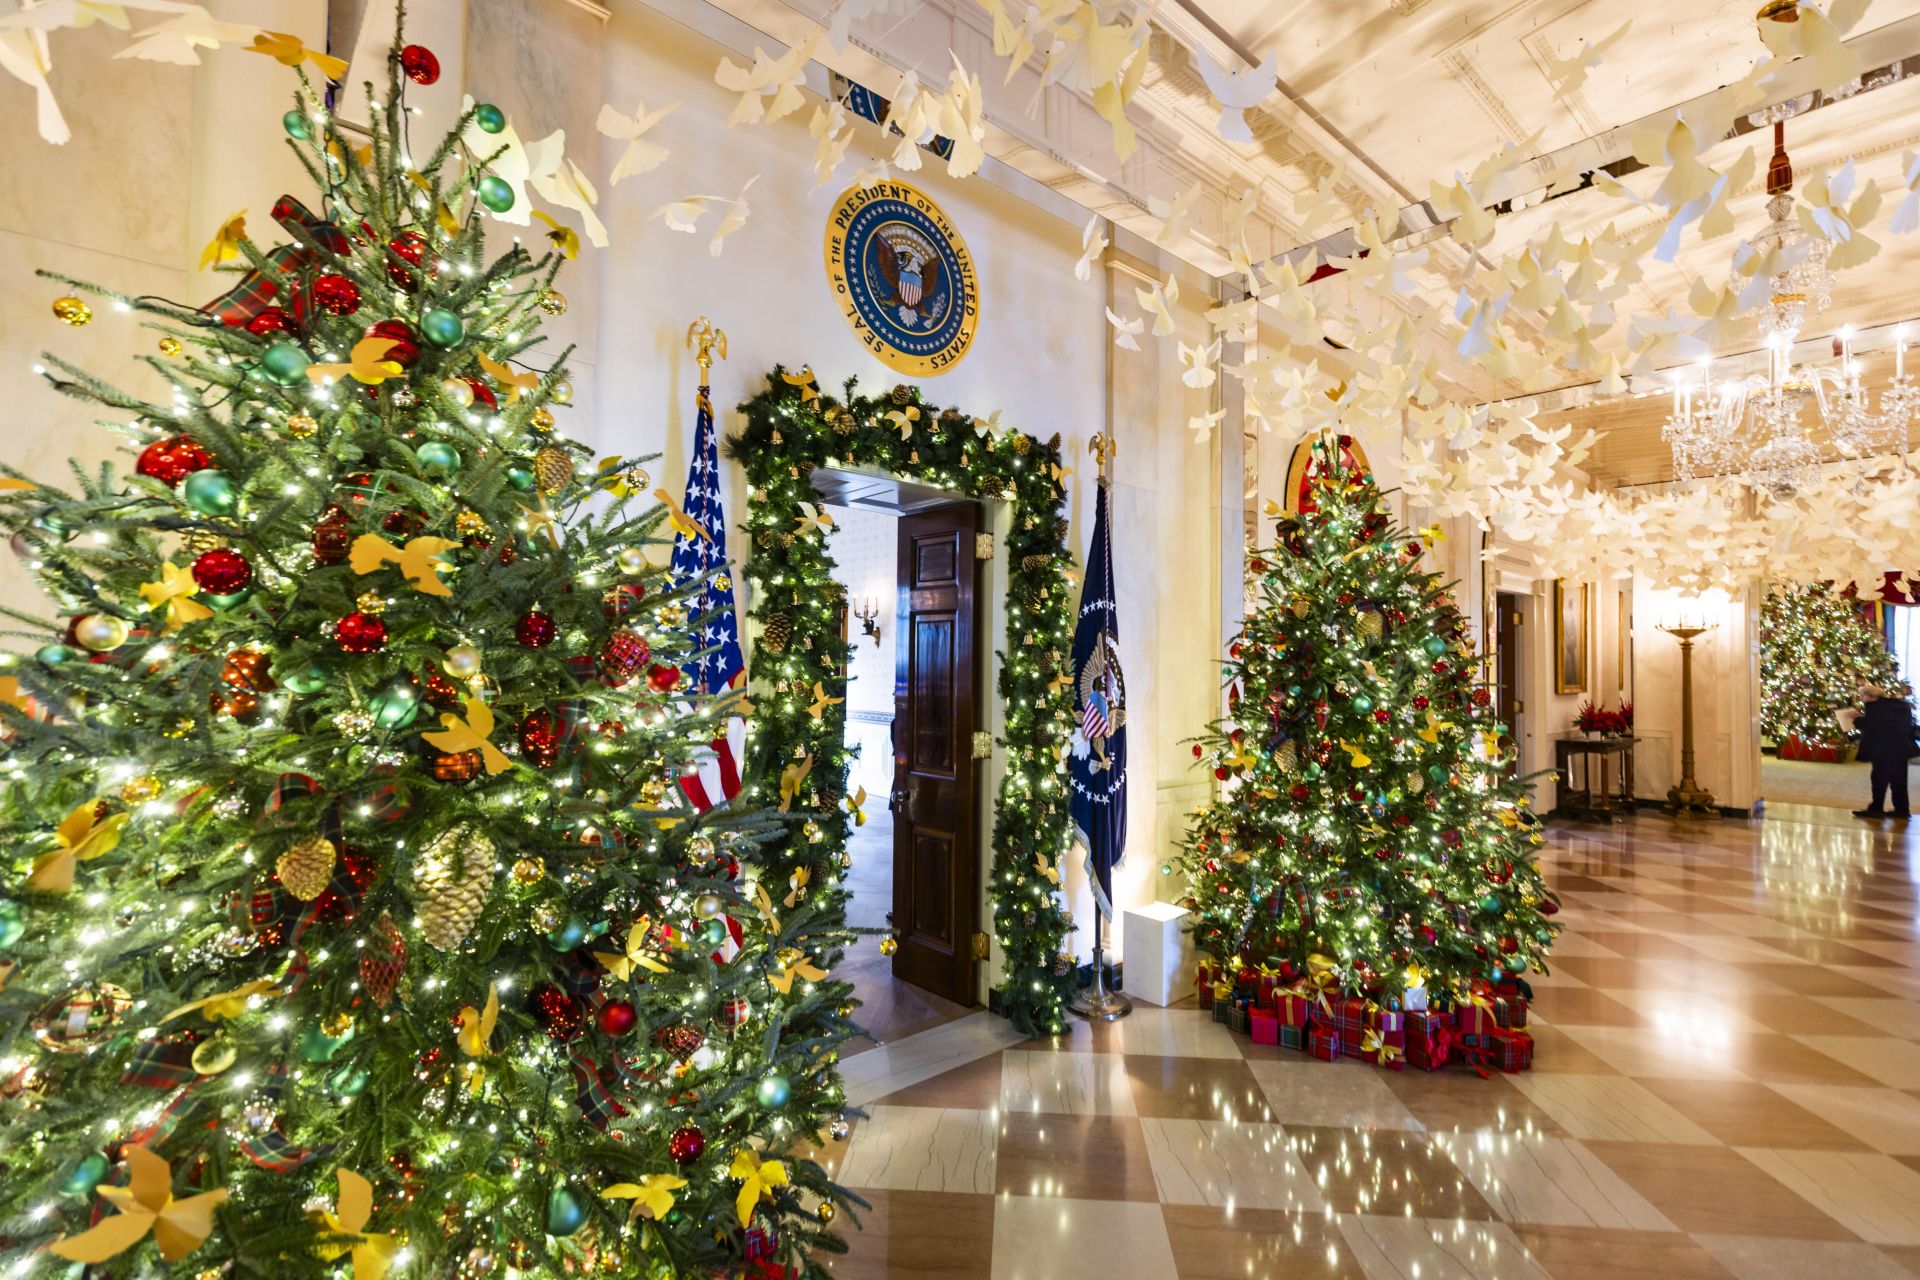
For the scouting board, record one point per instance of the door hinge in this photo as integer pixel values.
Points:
(982, 745)
(981, 945)
(983, 546)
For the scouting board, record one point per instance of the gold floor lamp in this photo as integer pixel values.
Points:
(1687, 793)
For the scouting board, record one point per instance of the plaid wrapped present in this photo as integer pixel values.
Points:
(1430, 1039)
(1350, 1017)
(1240, 1015)
(1264, 1026)
(1512, 1051)
(1292, 1037)
(1510, 1012)
(1476, 1020)
(1203, 984)
(1222, 1001)
(1323, 1042)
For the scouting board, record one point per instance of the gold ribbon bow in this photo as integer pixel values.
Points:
(418, 561)
(228, 1004)
(146, 1206)
(373, 1251)
(175, 590)
(757, 1177)
(1373, 1040)
(652, 1195)
(81, 838)
(470, 734)
(636, 953)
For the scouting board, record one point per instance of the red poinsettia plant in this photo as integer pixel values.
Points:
(1597, 719)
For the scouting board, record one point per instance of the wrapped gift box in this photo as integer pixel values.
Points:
(1222, 1001)
(1430, 1038)
(1350, 1019)
(1414, 999)
(1293, 1006)
(1240, 1014)
(1510, 1012)
(1324, 1043)
(1512, 1051)
(1203, 983)
(1292, 1037)
(1264, 1026)
(1476, 1020)
(1385, 1049)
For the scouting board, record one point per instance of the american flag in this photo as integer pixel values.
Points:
(1094, 721)
(716, 777)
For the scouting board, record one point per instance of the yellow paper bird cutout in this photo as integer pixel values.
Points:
(175, 590)
(764, 905)
(636, 952)
(476, 1026)
(228, 1004)
(80, 839)
(23, 702)
(288, 51)
(798, 884)
(564, 237)
(146, 1206)
(1240, 758)
(757, 1180)
(456, 735)
(783, 975)
(367, 363)
(1062, 679)
(1060, 475)
(854, 803)
(373, 1251)
(652, 1195)
(225, 245)
(811, 519)
(418, 561)
(904, 419)
(809, 393)
(1433, 533)
(1046, 870)
(1434, 725)
(821, 701)
(1355, 756)
(678, 520)
(442, 214)
(791, 779)
(509, 377)
(540, 518)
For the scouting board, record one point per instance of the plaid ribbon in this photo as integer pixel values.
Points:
(302, 224)
(257, 290)
(598, 1106)
(271, 1150)
(177, 1109)
(161, 1063)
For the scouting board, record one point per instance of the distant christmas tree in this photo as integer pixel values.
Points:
(351, 915)
(1817, 647)
(1369, 828)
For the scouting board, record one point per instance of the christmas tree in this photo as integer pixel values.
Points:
(352, 920)
(1817, 647)
(1370, 834)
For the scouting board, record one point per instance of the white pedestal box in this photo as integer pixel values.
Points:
(1159, 958)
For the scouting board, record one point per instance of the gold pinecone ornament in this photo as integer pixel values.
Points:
(1370, 625)
(453, 878)
(306, 869)
(1287, 757)
(552, 469)
(777, 632)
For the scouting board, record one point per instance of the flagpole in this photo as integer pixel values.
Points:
(1096, 1003)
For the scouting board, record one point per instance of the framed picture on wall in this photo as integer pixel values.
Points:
(1570, 614)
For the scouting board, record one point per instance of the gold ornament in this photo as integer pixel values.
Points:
(1370, 625)
(301, 425)
(542, 419)
(889, 945)
(101, 632)
(454, 876)
(1022, 443)
(777, 632)
(462, 662)
(546, 917)
(306, 869)
(1302, 606)
(214, 1055)
(630, 561)
(371, 602)
(70, 310)
(353, 723)
(469, 524)
(562, 392)
(553, 302)
(707, 906)
(825, 1212)
(170, 346)
(197, 542)
(180, 728)
(552, 469)
(528, 870)
(652, 792)
(140, 790)
(336, 1026)
(1287, 757)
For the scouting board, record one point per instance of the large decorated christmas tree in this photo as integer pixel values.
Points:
(1370, 834)
(352, 919)
(1817, 647)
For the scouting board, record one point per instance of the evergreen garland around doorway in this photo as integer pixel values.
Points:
(798, 757)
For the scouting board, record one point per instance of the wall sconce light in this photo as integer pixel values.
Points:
(869, 615)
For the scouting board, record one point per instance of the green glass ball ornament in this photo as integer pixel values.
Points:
(1515, 964)
(520, 478)
(438, 458)
(773, 1091)
(1362, 703)
(87, 1175)
(396, 705)
(311, 680)
(317, 1046)
(211, 492)
(1438, 772)
(296, 125)
(13, 923)
(714, 932)
(348, 1080)
(495, 193)
(1310, 770)
(52, 655)
(441, 327)
(1490, 903)
(223, 603)
(565, 1212)
(1434, 646)
(285, 364)
(490, 118)
(571, 933)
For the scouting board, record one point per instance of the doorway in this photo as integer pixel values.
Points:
(905, 555)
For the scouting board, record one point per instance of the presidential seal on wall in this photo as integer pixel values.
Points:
(902, 277)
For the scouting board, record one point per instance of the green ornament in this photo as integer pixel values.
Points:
(87, 1175)
(520, 478)
(1490, 903)
(1514, 964)
(396, 705)
(571, 933)
(495, 193)
(285, 364)
(1434, 646)
(490, 118)
(1362, 703)
(317, 1046)
(311, 680)
(1438, 772)
(1311, 769)
(223, 603)
(12, 923)
(52, 655)
(295, 123)
(211, 492)
(438, 458)
(773, 1091)
(713, 932)
(565, 1213)
(441, 327)
(348, 1080)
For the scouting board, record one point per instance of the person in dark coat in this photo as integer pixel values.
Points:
(1886, 742)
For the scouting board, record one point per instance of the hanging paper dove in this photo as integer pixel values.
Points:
(1235, 91)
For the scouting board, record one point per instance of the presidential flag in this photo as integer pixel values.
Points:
(715, 778)
(1097, 771)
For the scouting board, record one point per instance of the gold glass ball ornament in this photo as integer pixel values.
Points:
(701, 848)
(180, 728)
(528, 870)
(456, 390)
(70, 310)
(469, 524)
(889, 945)
(336, 1026)
(546, 917)
(462, 662)
(371, 602)
(707, 906)
(140, 790)
(214, 1055)
(542, 419)
(562, 392)
(553, 302)
(826, 1211)
(101, 632)
(353, 724)
(170, 346)
(636, 478)
(301, 425)
(631, 561)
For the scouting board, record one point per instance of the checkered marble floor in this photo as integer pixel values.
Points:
(1726, 1083)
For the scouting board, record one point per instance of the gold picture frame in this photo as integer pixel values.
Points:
(1572, 614)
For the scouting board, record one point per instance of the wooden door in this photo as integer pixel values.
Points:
(1506, 687)
(935, 861)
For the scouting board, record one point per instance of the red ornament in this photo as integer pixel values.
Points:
(172, 460)
(1508, 946)
(406, 346)
(1440, 667)
(686, 1144)
(540, 739)
(361, 633)
(407, 250)
(734, 1011)
(222, 571)
(270, 320)
(663, 679)
(1481, 697)
(682, 1040)
(336, 294)
(622, 656)
(441, 691)
(616, 1018)
(243, 677)
(558, 1013)
(331, 536)
(383, 961)
(1299, 791)
(1382, 715)
(419, 64)
(482, 393)
(620, 601)
(534, 629)
(1420, 702)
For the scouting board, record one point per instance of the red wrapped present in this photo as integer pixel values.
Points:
(1350, 1016)
(1293, 1004)
(1476, 1019)
(1203, 977)
(1324, 1043)
(1203, 985)
(1387, 1049)
(1264, 1026)
(1430, 1039)
(1511, 1051)
(1510, 1012)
